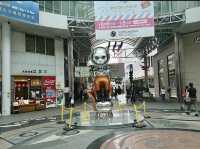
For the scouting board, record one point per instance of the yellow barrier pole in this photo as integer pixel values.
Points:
(145, 112)
(62, 113)
(70, 117)
(136, 113)
(85, 106)
(144, 108)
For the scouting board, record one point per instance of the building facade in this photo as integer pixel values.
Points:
(177, 63)
(32, 58)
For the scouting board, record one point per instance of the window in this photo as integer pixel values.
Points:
(81, 9)
(165, 7)
(50, 46)
(57, 7)
(49, 6)
(41, 5)
(72, 8)
(30, 43)
(39, 44)
(157, 8)
(65, 8)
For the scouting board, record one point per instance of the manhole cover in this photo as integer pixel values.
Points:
(152, 139)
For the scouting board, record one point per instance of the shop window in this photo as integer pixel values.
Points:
(40, 45)
(21, 91)
(49, 6)
(30, 43)
(171, 71)
(50, 49)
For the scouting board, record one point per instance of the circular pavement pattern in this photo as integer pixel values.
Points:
(154, 139)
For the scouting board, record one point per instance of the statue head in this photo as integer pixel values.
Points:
(100, 56)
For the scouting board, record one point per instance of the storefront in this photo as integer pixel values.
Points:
(32, 93)
(164, 71)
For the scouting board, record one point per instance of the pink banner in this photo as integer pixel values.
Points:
(122, 24)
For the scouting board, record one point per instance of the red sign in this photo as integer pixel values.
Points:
(49, 81)
(49, 86)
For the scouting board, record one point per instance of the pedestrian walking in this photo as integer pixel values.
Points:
(119, 90)
(81, 94)
(186, 99)
(193, 98)
(115, 93)
(163, 94)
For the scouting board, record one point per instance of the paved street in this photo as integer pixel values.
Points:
(44, 131)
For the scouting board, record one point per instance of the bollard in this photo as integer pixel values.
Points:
(62, 113)
(145, 114)
(70, 117)
(137, 122)
(136, 112)
(85, 106)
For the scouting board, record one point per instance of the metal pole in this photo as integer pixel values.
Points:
(178, 69)
(71, 67)
(145, 69)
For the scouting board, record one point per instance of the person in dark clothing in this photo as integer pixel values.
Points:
(133, 95)
(193, 97)
(119, 90)
(115, 93)
(81, 94)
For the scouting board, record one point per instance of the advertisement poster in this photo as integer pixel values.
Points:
(60, 97)
(49, 86)
(123, 19)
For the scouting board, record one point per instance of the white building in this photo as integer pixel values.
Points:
(32, 55)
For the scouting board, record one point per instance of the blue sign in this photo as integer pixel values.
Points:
(26, 11)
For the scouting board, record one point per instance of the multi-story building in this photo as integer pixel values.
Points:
(176, 63)
(34, 49)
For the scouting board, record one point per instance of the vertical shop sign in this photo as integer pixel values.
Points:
(49, 89)
(123, 19)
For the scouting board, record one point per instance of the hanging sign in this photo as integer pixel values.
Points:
(26, 11)
(123, 19)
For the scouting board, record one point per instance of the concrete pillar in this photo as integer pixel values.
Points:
(6, 62)
(178, 65)
(71, 67)
(59, 55)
